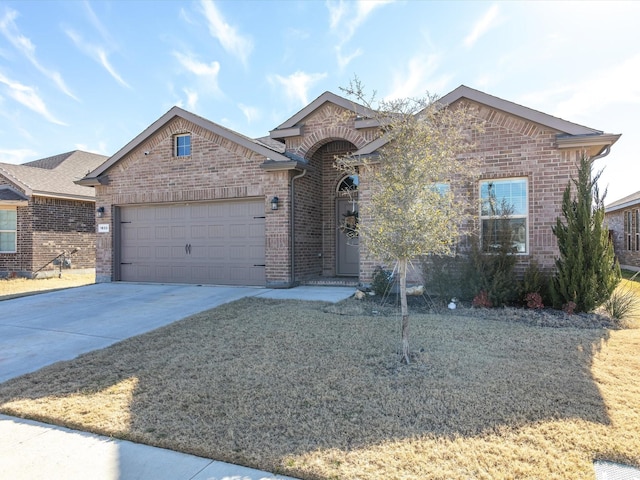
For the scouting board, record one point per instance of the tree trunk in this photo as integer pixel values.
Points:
(402, 272)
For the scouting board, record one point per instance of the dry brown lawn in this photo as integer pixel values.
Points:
(296, 388)
(18, 287)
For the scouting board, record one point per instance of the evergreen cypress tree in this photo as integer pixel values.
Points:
(587, 271)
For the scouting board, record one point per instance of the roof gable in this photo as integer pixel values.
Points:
(571, 135)
(253, 145)
(292, 126)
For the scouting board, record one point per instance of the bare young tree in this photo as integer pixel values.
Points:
(418, 179)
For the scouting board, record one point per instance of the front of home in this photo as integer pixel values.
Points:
(190, 201)
(45, 216)
(623, 220)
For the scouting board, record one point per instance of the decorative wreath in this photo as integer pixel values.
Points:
(349, 224)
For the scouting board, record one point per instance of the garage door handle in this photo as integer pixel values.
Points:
(259, 265)
(187, 249)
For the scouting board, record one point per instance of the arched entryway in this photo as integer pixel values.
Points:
(347, 241)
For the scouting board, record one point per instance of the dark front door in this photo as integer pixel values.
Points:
(347, 244)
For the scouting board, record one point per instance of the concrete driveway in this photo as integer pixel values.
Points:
(42, 329)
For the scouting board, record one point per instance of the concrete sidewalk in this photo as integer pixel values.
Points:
(32, 450)
(42, 329)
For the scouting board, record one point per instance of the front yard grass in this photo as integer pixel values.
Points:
(296, 388)
(19, 287)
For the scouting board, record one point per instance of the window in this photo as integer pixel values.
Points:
(504, 214)
(628, 229)
(183, 145)
(637, 230)
(8, 228)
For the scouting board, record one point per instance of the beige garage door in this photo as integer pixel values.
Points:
(211, 243)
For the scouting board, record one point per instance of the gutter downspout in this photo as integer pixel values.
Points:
(605, 152)
(293, 228)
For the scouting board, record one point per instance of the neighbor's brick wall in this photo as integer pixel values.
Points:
(615, 223)
(46, 228)
(61, 225)
(217, 169)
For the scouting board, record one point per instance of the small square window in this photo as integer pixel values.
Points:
(183, 145)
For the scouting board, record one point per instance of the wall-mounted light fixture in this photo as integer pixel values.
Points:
(274, 203)
(100, 212)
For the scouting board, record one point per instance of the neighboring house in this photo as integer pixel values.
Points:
(623, 219)
(43, 214)
(190, 201)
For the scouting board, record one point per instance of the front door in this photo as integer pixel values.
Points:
(347, 243)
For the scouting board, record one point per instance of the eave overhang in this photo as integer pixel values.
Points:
(279, 166)
(586, 141)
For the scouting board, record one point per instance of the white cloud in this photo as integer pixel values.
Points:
(296, 86)
(207, 74)
(98, 54)
(17, 156)
(573, 101)
(192, 98)
(251, 113)
(418, 78)
(28, 97)
(23, 44)
(344, 60)
(229, 38)
(101, 150)
(345, 18)
(483, 25)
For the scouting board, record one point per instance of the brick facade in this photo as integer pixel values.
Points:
(624, 227)
(226, 167)
(47, 227)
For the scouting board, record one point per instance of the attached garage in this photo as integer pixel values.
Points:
(220, 242)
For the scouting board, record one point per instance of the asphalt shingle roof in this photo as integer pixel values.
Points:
(55, 176)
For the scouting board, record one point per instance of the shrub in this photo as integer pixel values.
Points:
(382, 281)
(622, 304)
(493, 273)
(482, 300)
(535, 280)
(569, 307)
(443, 275)
(587, 271)
(534, 300)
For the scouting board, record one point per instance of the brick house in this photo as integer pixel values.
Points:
(190, 201)
(43, 214)
(623, 219)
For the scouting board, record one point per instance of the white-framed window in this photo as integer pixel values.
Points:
(8, 229)
(628, 229)
(182, 145)
(504, 214)
(637, 229)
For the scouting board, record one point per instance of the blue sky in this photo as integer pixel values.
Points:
(93, 75)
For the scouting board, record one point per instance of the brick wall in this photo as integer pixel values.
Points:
(627, 249)
(48, 227)
(217, 169)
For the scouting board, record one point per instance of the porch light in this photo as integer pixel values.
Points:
(100, 212)
(274, 203)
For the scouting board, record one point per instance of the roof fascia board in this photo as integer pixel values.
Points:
(603, 140)
(195, 119)
(286, 132)
(63, 196)
(14, 203)
(518, 110)
(622, 206)
(278, 166)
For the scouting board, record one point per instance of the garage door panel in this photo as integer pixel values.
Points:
(226, 240)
